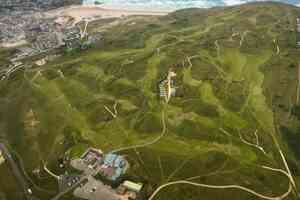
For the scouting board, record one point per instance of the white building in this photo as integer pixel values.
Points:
(167, 88)
(2, 159)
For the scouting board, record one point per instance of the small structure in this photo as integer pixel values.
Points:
(135, 187)
(167, 88)
(92, 156)
(129, 190)
(31, 120)
(93, 161)
(111, 166)
(114, 166)
(90, 162)
(2, 159)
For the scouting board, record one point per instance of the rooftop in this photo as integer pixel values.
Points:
(114, 166)
(2, 160)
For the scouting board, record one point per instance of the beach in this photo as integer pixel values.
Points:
(101, 12)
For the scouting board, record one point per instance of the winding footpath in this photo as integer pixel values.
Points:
(222, 187)
(186, 182)
(260, 148)
(22, 166)
(152, 142)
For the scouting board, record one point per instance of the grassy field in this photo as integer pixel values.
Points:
(231, 83)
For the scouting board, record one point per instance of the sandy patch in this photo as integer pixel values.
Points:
(96, 12)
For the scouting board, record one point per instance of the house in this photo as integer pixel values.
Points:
(129, 190)
(135, 187)
(90, 162)
(93, 159)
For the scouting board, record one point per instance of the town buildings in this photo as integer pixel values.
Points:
(93, 162)
(35, 4)
(33, 33)
(111, 167)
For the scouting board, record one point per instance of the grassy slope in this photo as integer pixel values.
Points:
(225, 88)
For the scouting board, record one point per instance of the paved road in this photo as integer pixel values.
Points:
(59, 195)
(15, 170)
(23, 183)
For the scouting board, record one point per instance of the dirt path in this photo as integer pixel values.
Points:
(152, 142)
(277, 47)
(287, 173)
(222, 187)
(280, 197)
(21, 163)
(257, 145)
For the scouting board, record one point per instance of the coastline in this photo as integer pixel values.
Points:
(102, 12)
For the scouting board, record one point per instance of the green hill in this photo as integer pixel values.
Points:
(236, 102)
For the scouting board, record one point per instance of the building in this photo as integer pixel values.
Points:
(22, 5)
(92, 157)
(2, 159)
(24, 52)
(90, 162)
(129, 190)
(167, 87)
(46, 42)
(113, 166)
(110, 166)
(133, 186)
(93, 162)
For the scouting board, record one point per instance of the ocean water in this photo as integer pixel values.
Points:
(175, 4)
